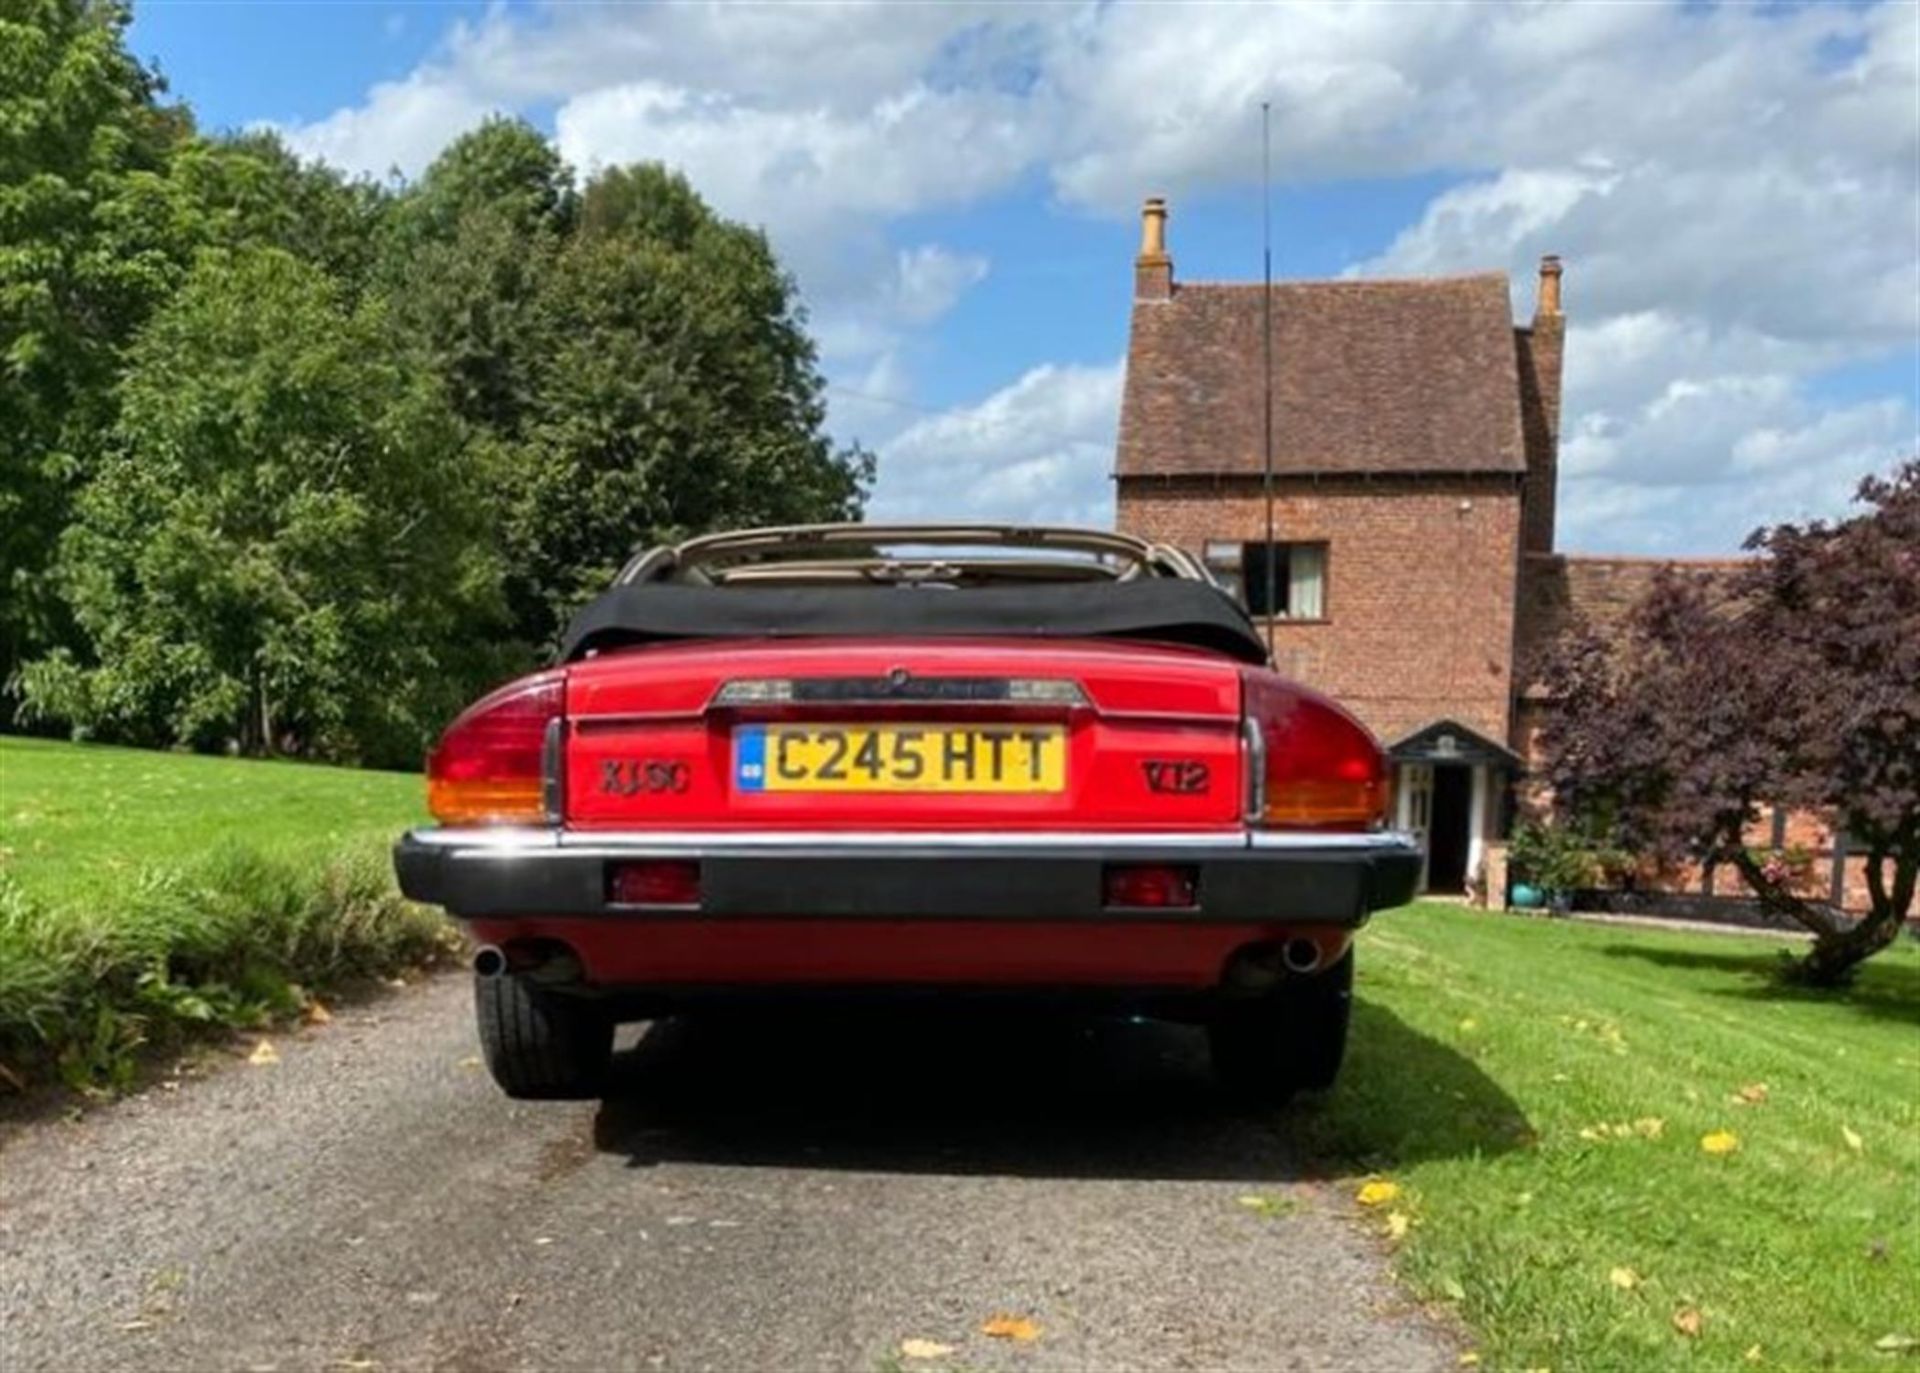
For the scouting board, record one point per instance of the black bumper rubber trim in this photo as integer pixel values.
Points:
(1305, 885)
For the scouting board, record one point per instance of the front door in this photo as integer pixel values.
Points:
(1449, 827)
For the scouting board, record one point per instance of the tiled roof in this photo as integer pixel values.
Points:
(1369, 376)
(1560, 592)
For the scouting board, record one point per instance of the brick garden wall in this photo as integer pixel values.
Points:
(1420, 584)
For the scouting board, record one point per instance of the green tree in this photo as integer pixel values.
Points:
(506, 167)
(284, 550)
(85, 255)
(680, 394)
(1794, 682)
(634, 366)
(249, 188)
(468, 251)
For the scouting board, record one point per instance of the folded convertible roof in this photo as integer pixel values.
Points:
(936, 581)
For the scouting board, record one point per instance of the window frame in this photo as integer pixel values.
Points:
(1215, 554)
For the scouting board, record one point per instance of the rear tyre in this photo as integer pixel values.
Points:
(541, 1045)
(1290, 1040)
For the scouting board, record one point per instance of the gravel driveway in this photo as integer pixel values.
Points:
(807, 1195)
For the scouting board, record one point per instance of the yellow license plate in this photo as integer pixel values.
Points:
(904, 757)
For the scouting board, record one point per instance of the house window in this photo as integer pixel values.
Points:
(1299, 576)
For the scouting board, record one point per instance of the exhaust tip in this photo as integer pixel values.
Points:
(489, 961)
(1300, 955)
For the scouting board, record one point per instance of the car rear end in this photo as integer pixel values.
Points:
(1147, 824)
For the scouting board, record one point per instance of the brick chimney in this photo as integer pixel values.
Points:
(1542, 350)
(1153, 269)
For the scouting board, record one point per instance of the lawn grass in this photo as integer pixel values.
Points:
(80, 820)
(146, 895)
(1539, 1090)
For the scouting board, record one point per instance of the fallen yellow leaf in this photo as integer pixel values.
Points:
(924, 1349)
(263, 1055)
(1854, 1142)
(1468, 1359)
(1377, 1193)
(1624, 1278)
(1753, 1354)
(1398, 1223)
(1720, 1142)
(1687, 1320)
(317, 1014)
(1020, 1328)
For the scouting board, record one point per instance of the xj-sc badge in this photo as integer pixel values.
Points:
(1177, 776)
(631, 776)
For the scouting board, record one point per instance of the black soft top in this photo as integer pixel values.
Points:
(1160, 609)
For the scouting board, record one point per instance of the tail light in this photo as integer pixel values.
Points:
(1313, 766)
(490, 766)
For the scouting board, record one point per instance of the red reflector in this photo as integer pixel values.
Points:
(660, 882)
(1151, 885)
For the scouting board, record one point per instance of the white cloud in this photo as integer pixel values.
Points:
(1040, 450)
(1704, 462)
(815, 122)
(915, 149)
(401, 126)
(1735, 188)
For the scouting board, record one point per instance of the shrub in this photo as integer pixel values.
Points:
(1554, 858)
(228, 944)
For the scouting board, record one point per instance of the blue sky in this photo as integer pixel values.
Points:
(1736, 191)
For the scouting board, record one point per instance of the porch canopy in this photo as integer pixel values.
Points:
(1448, 741)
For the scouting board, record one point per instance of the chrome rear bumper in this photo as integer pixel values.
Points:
(1244, 876)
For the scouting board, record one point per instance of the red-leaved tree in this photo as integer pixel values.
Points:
(1793, 682)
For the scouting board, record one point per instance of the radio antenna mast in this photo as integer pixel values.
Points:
(1266, 358)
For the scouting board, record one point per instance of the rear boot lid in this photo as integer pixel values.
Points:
(883, 734)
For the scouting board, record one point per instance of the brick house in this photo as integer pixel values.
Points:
(1412, 572)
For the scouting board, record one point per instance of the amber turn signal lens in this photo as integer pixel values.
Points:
(505, 802)
(1330, 802)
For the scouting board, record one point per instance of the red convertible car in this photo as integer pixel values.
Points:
(952, 759)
